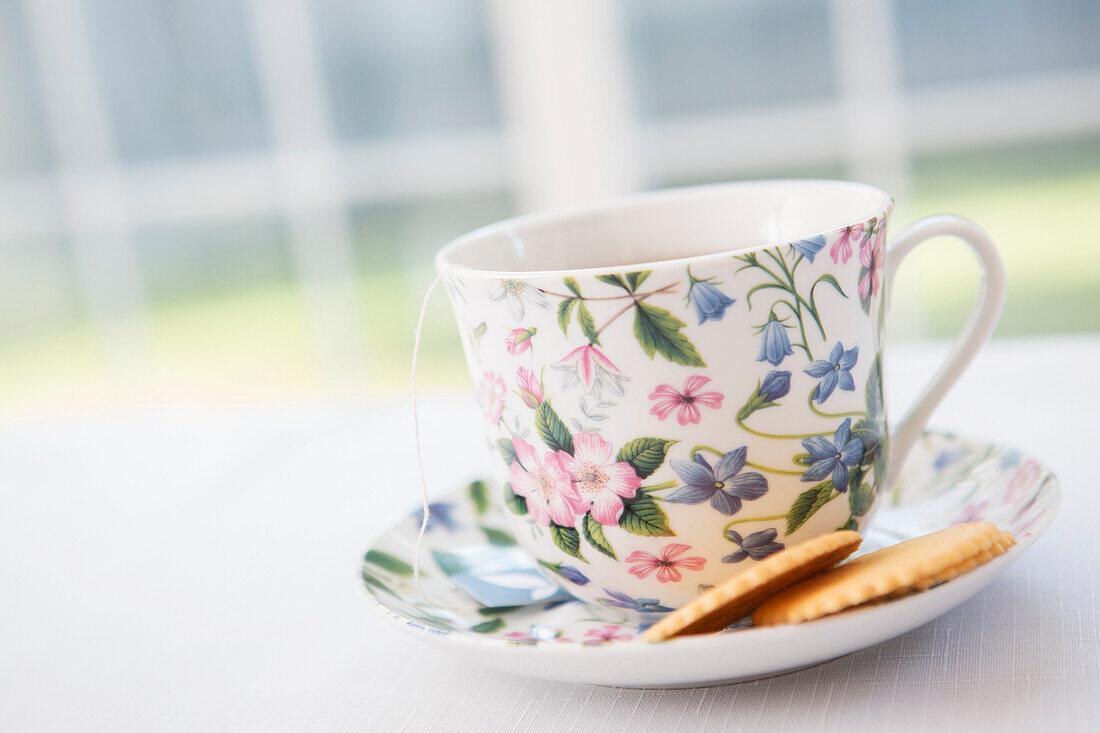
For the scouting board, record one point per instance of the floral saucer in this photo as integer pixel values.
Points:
(947, 480)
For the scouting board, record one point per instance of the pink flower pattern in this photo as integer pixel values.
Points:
(972, 513)
(841, 251)
(546, 484)
(606, 634)
(490, 394)
(1023, 527)
(519, 340)
(589, 366)
(1023, 480)
(870, 256)
(667, 565)
(601, 482)
(529, 387)
(687, 402)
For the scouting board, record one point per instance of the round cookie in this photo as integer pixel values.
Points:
(998, 548)
(725, 603)
(903, 566)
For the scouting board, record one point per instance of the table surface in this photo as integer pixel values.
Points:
(196, 568)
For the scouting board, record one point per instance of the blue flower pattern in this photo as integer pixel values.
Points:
(724, 485)
(642, 605)
(833, 457)
(834, 371)
(709, 302)
(756, 546)
(439, 514)
(574, 576)
(775, 345)
(809, 248)
(775, 386)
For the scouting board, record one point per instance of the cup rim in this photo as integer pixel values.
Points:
(445, 259)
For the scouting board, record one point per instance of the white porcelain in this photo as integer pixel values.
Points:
(946, 480)
(660, 426)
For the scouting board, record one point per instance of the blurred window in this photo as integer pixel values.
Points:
(947, 41)
(237, 243)
(187, 262)
(178, 76)
(395, 69)
(36, 288)
(705, 55)
(23, 147)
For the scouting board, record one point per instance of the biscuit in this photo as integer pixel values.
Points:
(732, 600)
(901, 567)
(998, 548)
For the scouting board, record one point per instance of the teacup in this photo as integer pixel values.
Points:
(678, 384)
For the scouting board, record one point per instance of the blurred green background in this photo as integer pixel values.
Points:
(216, 291)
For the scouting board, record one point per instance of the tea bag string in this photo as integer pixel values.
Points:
(424, 508)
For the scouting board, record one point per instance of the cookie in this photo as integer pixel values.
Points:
(901, 567)
(730, 601)
(998, 548)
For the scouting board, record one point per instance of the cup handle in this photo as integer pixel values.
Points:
(979, 327)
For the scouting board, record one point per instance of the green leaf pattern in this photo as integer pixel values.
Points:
(552, 430)
(658, 331)
(567, 539)
(645, 455)
(389, 563)
(593, 533)
(642, 516)
(479, 494)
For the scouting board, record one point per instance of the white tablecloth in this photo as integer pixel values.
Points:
(197, 569)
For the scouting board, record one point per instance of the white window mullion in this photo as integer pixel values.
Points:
(563, 81)
(865, 60)
(89, 188)
(309, 189)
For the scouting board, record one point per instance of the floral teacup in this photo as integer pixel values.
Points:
(678, 384)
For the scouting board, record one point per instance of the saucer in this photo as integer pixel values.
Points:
(946, 480)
